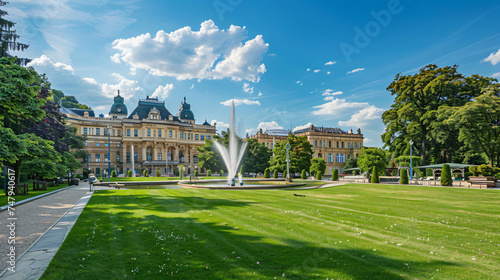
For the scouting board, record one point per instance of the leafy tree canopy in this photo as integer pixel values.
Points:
(256, 158)
(300, 154)
(415, 111)
(370, 157)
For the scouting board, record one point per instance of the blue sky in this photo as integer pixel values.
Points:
(286, 64)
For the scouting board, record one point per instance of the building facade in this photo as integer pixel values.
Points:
(334, 145)
(150, 137)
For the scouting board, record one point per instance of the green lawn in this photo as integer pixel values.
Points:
(31, 193)
(355, 231)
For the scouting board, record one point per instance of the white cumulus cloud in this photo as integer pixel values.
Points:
(162, 91)
(128, 88)
(355, 70)
(496, 75)
(316, 71)
(239, 102)
(364, 117)
(247, 88)
(87, 90)
(338, 107)
(45, 61)
(494, 58)
(302, 127)
(331, 62)
(210, 53)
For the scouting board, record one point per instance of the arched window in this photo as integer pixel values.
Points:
(330, 158)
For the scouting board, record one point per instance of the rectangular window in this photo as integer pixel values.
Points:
(202, 137)
(329, 144)
(159, 133)
(208, 137)
(330, 158)
(136, 157)
(340, 157)
(189, 136)
(170, 134)
(128, 132)
(149, 132)
(117, 157)
(337, 144)
(85, 130)
(182, 135)
(97, 131)
(97, 158)
(360, 145)
(136, 133)
(159, 156)
(343, 145)
(128, 157)
(89, 158)
(105, 157)
(105, 144)
(119, 132)
(97, 144)
(106, 131)
(315, 143)
(118, 145)
(356, 145)
(85, 143)
(196, 137)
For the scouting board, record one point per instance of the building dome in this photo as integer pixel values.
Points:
(185, 112)
(118, 109)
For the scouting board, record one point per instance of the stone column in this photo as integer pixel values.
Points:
(176, 154)
(155, 153)
(144, 146)
(124, 157)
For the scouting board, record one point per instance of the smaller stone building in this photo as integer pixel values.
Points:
(334, 145)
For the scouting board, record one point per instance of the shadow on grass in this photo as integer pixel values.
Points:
(124, 245)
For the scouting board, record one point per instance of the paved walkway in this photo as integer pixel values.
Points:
(41, 227)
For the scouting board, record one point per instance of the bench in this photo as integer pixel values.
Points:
(21, 189)
(39, 185)
(489, 182)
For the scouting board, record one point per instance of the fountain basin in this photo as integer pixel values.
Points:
(253, 184)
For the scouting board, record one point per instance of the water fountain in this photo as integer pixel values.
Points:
(233, 154)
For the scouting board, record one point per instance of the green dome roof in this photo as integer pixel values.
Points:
(185, 112)
(118, 108)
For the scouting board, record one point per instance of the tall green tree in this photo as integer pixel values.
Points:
(370, 157)
(9, 38)
(39, 153)
(300, 154)
(479, 124)
(256, 158)
(417, 99)
(20, 106)
(317, 164)
(209, 158)
(10, 146)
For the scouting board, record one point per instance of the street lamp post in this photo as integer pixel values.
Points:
(109, 154)
(288, 147)
(411, 162)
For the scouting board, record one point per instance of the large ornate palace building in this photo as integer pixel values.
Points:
(150, 136)
(334, 145)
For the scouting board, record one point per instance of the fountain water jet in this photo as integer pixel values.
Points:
(231, 155)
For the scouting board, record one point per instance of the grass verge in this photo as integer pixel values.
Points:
(31, 193)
